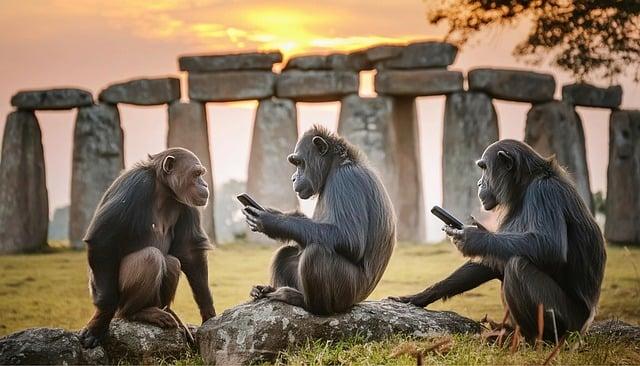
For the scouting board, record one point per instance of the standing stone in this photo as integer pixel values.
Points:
(555, 128)
(24, 204)
(98, 158)
(368, 124)
(470, 125)
(188, 128)
(275, 133)
(623, 179)
(410, 203)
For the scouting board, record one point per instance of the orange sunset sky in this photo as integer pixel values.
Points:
(90, 44)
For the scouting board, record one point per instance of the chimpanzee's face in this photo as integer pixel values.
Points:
(312, 164)
(185, 177)
(485, 190)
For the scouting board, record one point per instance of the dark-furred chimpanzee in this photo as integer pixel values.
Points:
(341, 252)
(145, 230)
(548, 249)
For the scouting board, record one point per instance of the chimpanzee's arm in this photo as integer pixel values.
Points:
(195, 268)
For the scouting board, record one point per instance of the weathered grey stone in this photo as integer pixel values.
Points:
(98, 158)
(555, 128)
(231, 86)
(316, 86)
(188, 128)
(617, 330)
(368, 124)
(24, 204)
(421, 55)
(52, 99)
(591, 96)
(257, 331)
(409, 202)
(142, 92)
(383, 52)
(46, 346)
(275, 133)
(515, 85)
(470, 125)
(337, 61)
(230, 62)
(623, 179)
(418, 82)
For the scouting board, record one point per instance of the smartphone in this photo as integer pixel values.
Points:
(446, 217)
(246, 200)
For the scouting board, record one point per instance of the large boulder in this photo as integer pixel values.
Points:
(275, 133)
(623, 178)
(231, 86)
(587, 95)
(230, 62)
(142, 92)
(555, 128)
(422, 55)
(52, 99)
(259, 330)
(470, 125)
(514, 85)
(617, 330)
(418, 82)
(317, 85)
(24, 203)
(128, 342)
(98, 158)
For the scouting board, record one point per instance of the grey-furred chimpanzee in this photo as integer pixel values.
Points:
(547, 250)
(339, 255)
(145, 230)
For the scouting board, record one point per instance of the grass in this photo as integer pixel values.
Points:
(50, 290)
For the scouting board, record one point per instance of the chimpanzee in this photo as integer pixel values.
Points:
(548, 249)
(338, 255)
(145, 230)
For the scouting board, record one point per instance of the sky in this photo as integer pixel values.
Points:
(91, 44)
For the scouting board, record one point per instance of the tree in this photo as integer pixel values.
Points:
(590, 37)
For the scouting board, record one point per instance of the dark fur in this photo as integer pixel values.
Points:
(121, 226)
(342, 251)
(548, 248)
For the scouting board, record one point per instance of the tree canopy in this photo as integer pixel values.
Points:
(585, 38)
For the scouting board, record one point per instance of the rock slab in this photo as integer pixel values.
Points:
(257, 331)
(418, 82)
(24, 203)
(230, 62)
(591, 96)
(52, 99)
(316, 86)
(514, 85)
(623, 179)
(231, 86)
(98, 158)
(470, 125)
(422, 55)
(142, 92)
(555, 128)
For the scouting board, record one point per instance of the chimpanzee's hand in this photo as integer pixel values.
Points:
(461, 238)
(261, 221)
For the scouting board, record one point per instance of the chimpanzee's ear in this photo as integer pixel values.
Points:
(168, 164)
(321, 144)
(506, 159)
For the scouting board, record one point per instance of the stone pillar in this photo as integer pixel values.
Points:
(275, 133)
(368, 124)
(24, 204)
(409, 203)
(623, 179)
(470, 125)
(188, 128)
(555, 128)
(98, 159)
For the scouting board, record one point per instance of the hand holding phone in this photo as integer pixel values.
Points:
(447, 218)
(246, 200)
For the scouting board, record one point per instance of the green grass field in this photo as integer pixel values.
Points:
(50, 290)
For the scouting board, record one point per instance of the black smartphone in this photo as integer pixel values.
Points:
(446, 217)
(246, 200)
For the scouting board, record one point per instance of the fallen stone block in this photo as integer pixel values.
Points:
(422, 55)
(142, 92)
(231, 86)
(316, 86)
(51, 99)
(592, 96)
(418, 82)
(514, 85)
(230, 62)
(257, 331)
